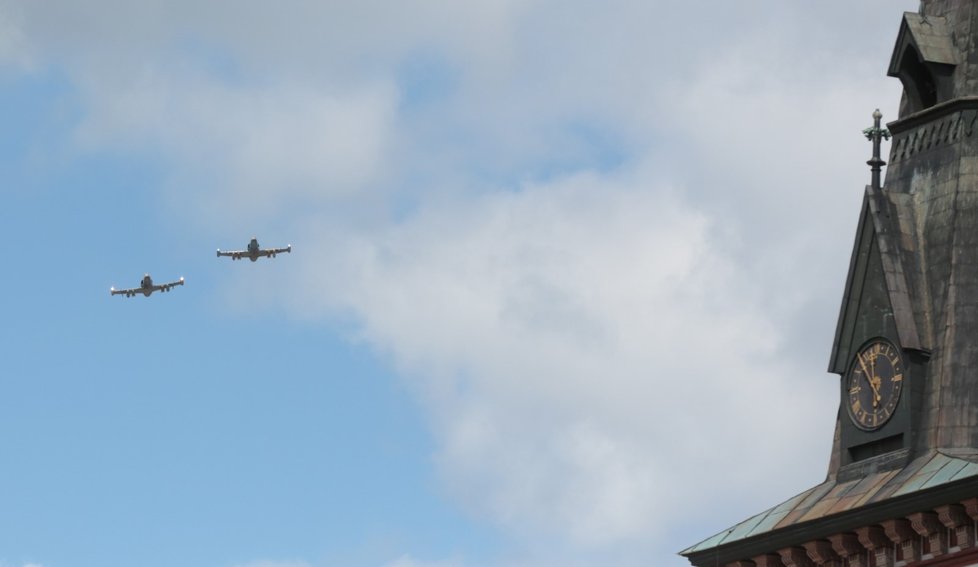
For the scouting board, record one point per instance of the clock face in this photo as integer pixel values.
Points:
(874, 384)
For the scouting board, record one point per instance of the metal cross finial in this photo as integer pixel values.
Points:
(876, 134)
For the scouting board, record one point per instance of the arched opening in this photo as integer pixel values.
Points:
(918, 82)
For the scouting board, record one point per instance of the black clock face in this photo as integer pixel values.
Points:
(874, 384)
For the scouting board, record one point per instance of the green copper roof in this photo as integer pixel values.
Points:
(832, 497)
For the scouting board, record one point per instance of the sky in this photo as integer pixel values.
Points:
(564, 280)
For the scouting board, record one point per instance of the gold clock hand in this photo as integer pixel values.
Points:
(876, 385)
(870, 379)
(862, 363)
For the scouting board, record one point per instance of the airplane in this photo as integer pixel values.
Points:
(146, 287)
(254, 252)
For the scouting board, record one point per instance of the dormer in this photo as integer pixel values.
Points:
(924, 60)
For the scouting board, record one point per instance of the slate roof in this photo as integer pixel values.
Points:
(933, 37)
(834, 497)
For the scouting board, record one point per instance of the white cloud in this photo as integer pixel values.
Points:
(343, 41)
(271, 563)
(590, 357)
(242, 149)
(14, 51)
(408, 561)
(595, 348)
(602, 350)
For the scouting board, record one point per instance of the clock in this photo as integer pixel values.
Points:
(874, 384)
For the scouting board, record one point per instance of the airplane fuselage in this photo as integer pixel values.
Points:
(254, 251)
(146, 287)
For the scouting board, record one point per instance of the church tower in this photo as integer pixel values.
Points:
(902, 484)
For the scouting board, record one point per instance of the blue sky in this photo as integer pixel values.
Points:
(549, 258)
(162, 432)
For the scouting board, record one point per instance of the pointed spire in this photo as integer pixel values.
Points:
(876, 135)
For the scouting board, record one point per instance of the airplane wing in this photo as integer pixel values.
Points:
(236, 254)
(271, 252)
(127, 292)
(168, 286)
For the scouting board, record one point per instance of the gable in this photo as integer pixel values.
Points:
(930, 35)
(924, 59)
(877, 300)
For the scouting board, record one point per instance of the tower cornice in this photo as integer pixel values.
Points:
(932, 114)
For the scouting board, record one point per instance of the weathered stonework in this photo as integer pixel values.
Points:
(951, 129)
